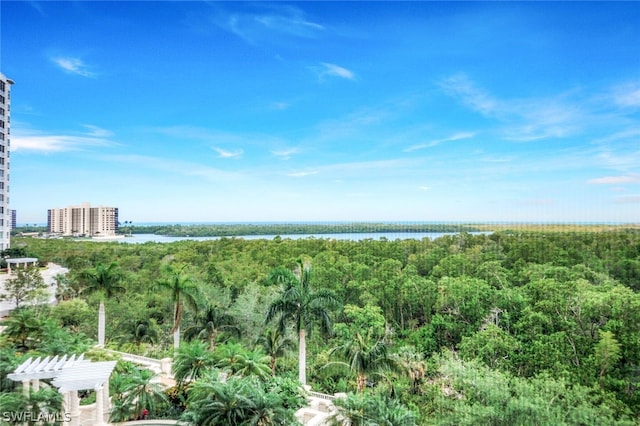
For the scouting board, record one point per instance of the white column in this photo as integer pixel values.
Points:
(176, 339)
(25, 387)
(66, 407)
(35, 384)
(75, 409)
(106, 401)
(101, 325)
(99, 407)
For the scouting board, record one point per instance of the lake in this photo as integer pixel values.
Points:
(145, 238)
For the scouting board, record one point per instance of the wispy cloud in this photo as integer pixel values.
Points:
(461, 87)
(628, 199)
(279, 106)
(73, 66)
(41, 142)
(359, 168)
(615, 180)
(285, 154)
(172, 165)
(524, 120)
(334, 70)
(272, 20)
(223, 153)
(436, 142)
(303, 173)
(627, 95)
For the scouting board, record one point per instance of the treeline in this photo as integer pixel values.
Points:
(504, 328)
(231, 230)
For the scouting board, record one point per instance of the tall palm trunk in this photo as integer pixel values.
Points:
(302, 357)
(101, 322)
(176, 338)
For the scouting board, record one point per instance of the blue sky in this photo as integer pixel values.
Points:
(327, 111)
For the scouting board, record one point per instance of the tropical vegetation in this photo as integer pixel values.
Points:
(505, 327)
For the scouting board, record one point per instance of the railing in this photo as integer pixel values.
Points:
(322, 396)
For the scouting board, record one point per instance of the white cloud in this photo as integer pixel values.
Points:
(462, 88)
(628, 95)
(524, 120)
(172, 165)
(615, 180)
(285, 154)
(628, 199)
(49, 143)
(436, 142)
(334, 70)
(424, 188)
(260, 27)
(302, 173)
(279, 106)
(73, 66)
(228, 154)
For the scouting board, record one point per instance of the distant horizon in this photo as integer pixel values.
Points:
(188, 223)
(509, 112)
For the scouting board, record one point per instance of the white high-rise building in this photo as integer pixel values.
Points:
(83, 220)
(5, 134)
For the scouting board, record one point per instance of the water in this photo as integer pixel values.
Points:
(145, 238)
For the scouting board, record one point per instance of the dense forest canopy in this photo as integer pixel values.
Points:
(511, 327)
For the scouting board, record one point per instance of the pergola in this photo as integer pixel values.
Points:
(21, 261)
(69, 375)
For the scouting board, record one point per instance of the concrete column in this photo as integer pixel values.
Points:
(99, 407)
(25, 387)
(35, 384)
(75, 409)
(101, 325)
(66, 407)
(106, 401)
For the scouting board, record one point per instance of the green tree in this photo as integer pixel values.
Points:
(370, 410)
(105, 282)
(184, 291)
(235, 359)
(27, 287)
(300, 305)
(365, 357)
(192, 361)
(607, 352)
(209, 323)
(139, 331)
(275, 344)
(142, 392)
(236, 402)
(23, 329)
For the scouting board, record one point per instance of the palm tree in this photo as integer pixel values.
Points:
(364, 357)
(210, 323)
(24, 329)
(366, 410)
(184, 291)
(45, 403)
(191, 362)
(239, 401)
(275, 345)
(237, 360)
(300, 305)
(143, 393)
(105, 281)
(139, 331)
